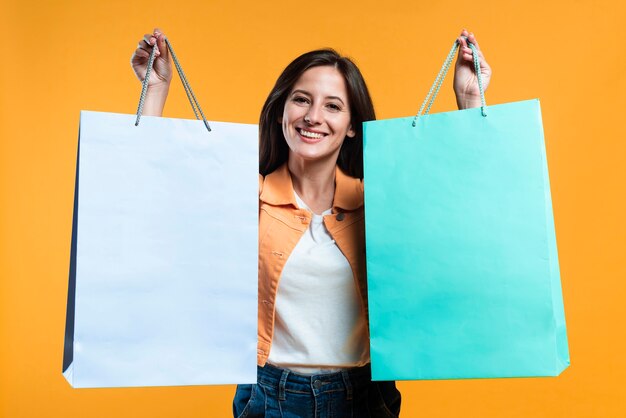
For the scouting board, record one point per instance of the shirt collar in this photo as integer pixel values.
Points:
(278, 190)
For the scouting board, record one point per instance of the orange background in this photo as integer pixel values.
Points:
(59, 57)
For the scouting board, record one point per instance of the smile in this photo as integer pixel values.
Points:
(309, 134)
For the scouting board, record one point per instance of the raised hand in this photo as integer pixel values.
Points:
(161, 75)
(465, 79)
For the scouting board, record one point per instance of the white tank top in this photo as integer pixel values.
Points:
(319, 325)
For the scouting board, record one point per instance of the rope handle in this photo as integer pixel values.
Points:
(434, 89)
(192, 97)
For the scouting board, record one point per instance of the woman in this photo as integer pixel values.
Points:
(313, 347)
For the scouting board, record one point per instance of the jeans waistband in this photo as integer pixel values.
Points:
(287, 381)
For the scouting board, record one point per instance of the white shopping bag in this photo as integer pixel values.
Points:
(164, 260)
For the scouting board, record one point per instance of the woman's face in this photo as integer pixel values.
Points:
(316, 118)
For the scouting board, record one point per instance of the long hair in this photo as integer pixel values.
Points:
(273, 148)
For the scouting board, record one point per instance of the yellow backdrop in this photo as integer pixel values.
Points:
(59, 57)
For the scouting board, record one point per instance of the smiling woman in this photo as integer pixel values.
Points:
(356, 102)
(316, 119)
(313, 342)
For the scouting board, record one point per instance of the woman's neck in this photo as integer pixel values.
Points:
(314, 182)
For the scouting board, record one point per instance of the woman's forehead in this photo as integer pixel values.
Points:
(322, 80)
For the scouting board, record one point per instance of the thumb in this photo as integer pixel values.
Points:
(160, 43)
(460, 61)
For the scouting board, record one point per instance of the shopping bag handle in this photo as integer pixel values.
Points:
(183, 79)
(434, 89)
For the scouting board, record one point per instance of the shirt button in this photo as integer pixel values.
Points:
(341, 216)
(317, 384)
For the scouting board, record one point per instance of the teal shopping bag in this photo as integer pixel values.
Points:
(462, 264)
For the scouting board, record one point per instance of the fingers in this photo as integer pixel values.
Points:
(463, 48)
(160, 43)
(141, 53)
(462, 37)
(469, 35)
(150, 40)
(162, 47)
(472, 39)
(465, 52)
(146, 45)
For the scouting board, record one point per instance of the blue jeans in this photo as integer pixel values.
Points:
(281, 393)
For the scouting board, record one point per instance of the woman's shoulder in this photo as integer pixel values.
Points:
(348, 191)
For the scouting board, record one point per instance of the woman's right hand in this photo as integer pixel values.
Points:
(161, 75)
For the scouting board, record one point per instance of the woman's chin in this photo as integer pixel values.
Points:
(311, 155)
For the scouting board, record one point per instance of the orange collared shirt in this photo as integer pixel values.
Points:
(281, 225)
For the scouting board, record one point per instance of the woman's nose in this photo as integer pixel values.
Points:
(314, 115)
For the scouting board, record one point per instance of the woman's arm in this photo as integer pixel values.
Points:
(161, 76)
(465, 80)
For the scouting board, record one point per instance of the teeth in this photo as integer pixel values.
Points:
(310, 134)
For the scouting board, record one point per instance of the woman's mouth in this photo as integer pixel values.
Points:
(310, 136)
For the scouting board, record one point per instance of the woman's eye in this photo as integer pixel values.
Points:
(300, 100)
(334, 107)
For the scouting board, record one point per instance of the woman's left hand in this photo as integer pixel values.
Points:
(465, 80)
